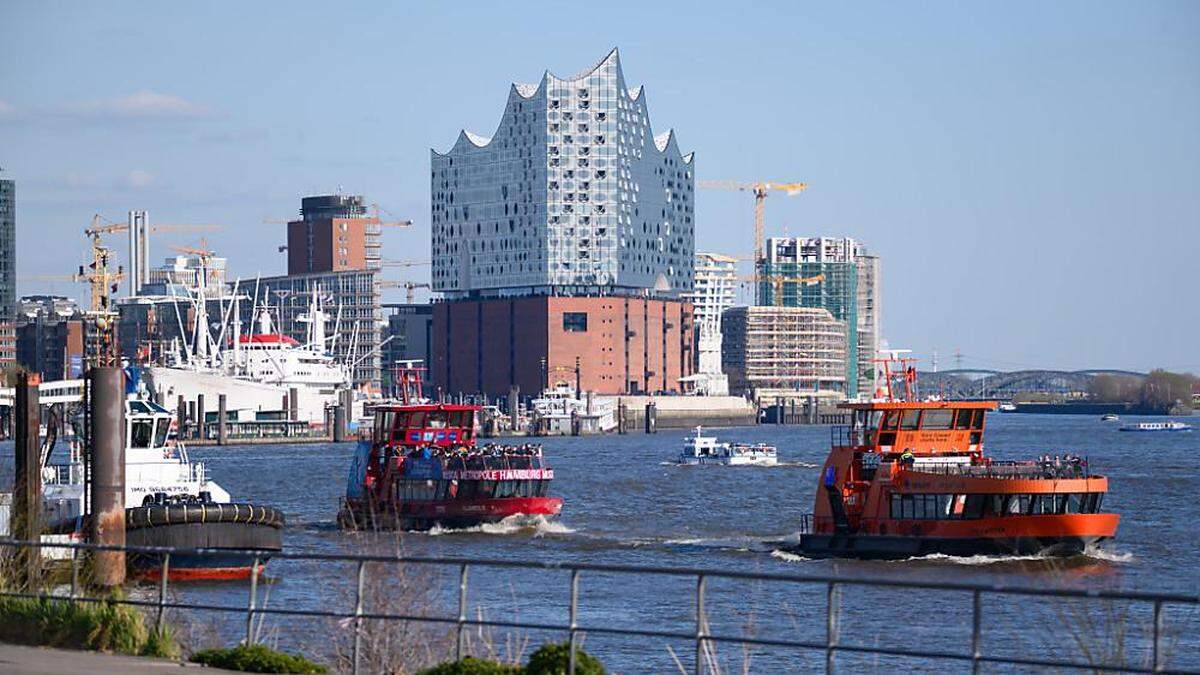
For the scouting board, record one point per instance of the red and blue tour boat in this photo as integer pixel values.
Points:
(909, 478)
(421, 467)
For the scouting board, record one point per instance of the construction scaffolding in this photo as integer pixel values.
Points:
(767, 351)
(835, 274)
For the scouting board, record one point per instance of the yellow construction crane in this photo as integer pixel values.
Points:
(777, 283)
(409, 287)
(760, 189)
(103, 283)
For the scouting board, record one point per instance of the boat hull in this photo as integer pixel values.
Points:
(454, 514)
(886, 547)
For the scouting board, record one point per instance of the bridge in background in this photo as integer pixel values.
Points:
(978, 382)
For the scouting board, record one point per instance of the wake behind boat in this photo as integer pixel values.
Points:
(701, 449)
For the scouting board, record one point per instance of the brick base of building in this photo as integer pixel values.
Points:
(623, 345)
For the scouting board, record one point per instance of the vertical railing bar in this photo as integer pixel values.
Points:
(74, 573)
(162, 591)
(976, 628)
(832, 609)
(1157, 646)
(574, 620)
(462, 610)
(358, 610)
(701, 585)
(250, 604)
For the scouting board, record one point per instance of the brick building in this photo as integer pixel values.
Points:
(625, 345)
(334, 234)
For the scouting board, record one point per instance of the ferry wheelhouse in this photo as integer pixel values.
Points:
(422, 467)
(909, 478)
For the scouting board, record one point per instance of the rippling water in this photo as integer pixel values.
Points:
(626, 503)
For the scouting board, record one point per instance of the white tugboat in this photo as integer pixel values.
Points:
(169, 500)
(700, 449)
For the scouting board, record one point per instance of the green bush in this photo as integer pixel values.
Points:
(102, 626)
(555, 659)
(471, 666)
(256, 659)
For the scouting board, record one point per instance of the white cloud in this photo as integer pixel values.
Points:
(144, 105)
(138, 105)
(138, 179)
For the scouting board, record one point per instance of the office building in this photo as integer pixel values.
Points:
(334, 234)
(572, 205)
(715, 291)
(50, 336)
(8, 269)
(836, 274)
(771, 352)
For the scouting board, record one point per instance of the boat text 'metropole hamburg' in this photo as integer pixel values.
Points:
(422, 468)
(910, 478)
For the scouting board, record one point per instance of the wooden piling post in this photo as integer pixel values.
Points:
(26, 520)
(108, 473)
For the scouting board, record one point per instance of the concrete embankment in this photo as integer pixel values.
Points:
(681, 412)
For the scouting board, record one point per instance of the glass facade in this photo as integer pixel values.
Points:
(572, 195)
(8, 249)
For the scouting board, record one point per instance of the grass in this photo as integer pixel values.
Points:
(551, 659)
(256, 659)
(101, 626)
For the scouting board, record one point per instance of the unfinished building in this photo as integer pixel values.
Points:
(771, 352)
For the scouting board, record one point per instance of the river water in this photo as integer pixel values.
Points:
(626, 503)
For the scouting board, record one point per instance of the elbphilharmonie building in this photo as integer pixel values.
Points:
(572, 195)
(563, 246)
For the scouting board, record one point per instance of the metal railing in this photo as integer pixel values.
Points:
(701, 636)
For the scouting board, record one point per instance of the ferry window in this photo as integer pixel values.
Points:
(437, 420)
(141, 434)
(1074, 503)
(963, 419)
(161, 431)
(910, 419)
(937, 419)
(486, 489)
(958, 505)
(978, 421)
(891, 419)
(974, 506)
(575, 322)
(907, 510)
(944, 502)
(416, 420)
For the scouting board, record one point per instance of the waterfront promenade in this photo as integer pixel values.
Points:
(22, 660)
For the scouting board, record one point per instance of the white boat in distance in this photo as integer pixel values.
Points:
(700, 449)
(1157, 426)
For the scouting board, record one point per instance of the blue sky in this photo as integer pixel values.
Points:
(1029, 171)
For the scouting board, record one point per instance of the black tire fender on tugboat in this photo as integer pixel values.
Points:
(161, 515)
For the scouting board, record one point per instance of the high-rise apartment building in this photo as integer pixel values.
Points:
(573, 195)
(8, 270)
(568, 235)
(334, 234)
(836, 274)
(714, 291)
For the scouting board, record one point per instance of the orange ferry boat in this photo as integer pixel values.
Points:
(910, 478)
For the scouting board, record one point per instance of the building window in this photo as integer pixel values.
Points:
(575, 322)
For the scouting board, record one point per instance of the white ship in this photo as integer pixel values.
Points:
(700, 449)
(558, 406)
(256, 371)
